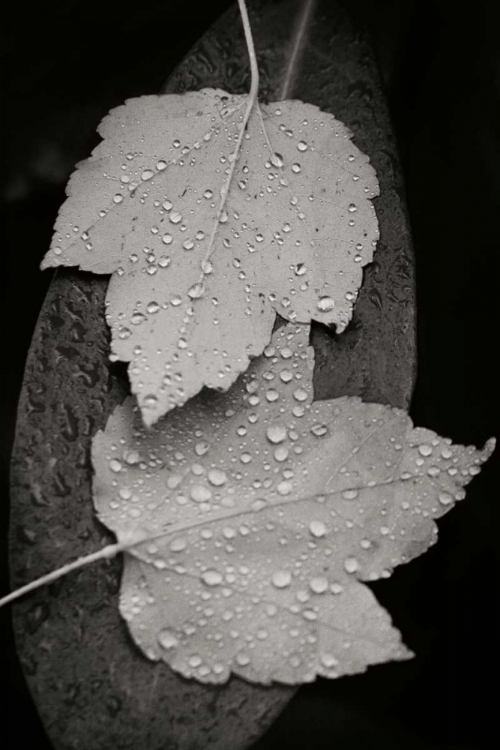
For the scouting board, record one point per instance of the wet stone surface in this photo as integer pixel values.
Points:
(93, 688)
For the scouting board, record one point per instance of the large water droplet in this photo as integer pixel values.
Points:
(281, 579)
(276, 433)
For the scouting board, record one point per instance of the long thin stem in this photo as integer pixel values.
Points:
(106, 552)
(254, 86)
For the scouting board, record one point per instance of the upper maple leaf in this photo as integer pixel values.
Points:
(213, 214)
(262, 513)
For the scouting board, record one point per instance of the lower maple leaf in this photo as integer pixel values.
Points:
(257, 514)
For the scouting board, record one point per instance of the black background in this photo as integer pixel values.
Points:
(66, 64)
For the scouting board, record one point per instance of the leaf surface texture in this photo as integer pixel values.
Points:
(262, 513)
(207, 239)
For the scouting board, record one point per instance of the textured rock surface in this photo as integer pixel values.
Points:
(92, 687)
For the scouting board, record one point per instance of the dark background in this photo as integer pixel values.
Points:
(66, 64)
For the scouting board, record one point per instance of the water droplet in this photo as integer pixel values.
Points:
(201, 448)
(300, 394)
(242, 659)
(152, 307)
(317, 528)
(352, 208)
(167, 239)
(277, 160)
(196, 291)
(296, 168)
(175, 217)
(117, 198)
(284, 488)
(281, 579)
(216, 477)
(150, 401)
(115, 465)
(351, 565)
(177, 545)
(325, 304)
(328, 660)
(318, 585)
(281, 453)
(350, 494)
(300, 269)
(276, 433)
(425, 450)
(445, 498)
(302, 146)
(188, 244)
(212, 578)
(320, 430)
(207, 266)
(200, 494)
(164, 261)
(167, 639)
(208, 194)
(147, 174)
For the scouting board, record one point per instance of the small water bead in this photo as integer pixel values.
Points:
(115, 465)
(318, 585)
(212, 578)
(167, 205)
(195, 661)
(352, 208)
(351, 565)
(302, 146)
(319, 430)
(350, 494)
(277, 160)
(176, 143)
(425, 450)
(281, 453)
(137, 319)
(117, 198)
(176, 300)
(272, 395)
(300, 394)
(284, 488)
(208, 194)
(200, 494)
(196, 291)
(242, 659)
(328, 660)
(245, 458)
(147, 175)
(177, 545)
(201, 448)
(175, 217)
(300, 269)
(150, 401)
(286, 376)
(207, 267)
(167, 639)
(317, 529)
(325, 304)
(445, 498)
(124, 333)
(281, 579)
(296, 168)
(167, 239)
(164, 261)
(152, 307)
(276, 433)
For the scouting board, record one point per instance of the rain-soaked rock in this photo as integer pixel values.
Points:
(93, 688)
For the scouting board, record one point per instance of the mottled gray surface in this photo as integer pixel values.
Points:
(92, 687)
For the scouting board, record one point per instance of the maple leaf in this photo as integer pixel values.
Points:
(258, 514)
(213, 213)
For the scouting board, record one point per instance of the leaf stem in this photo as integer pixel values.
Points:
(106, 552)
(254, 86)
